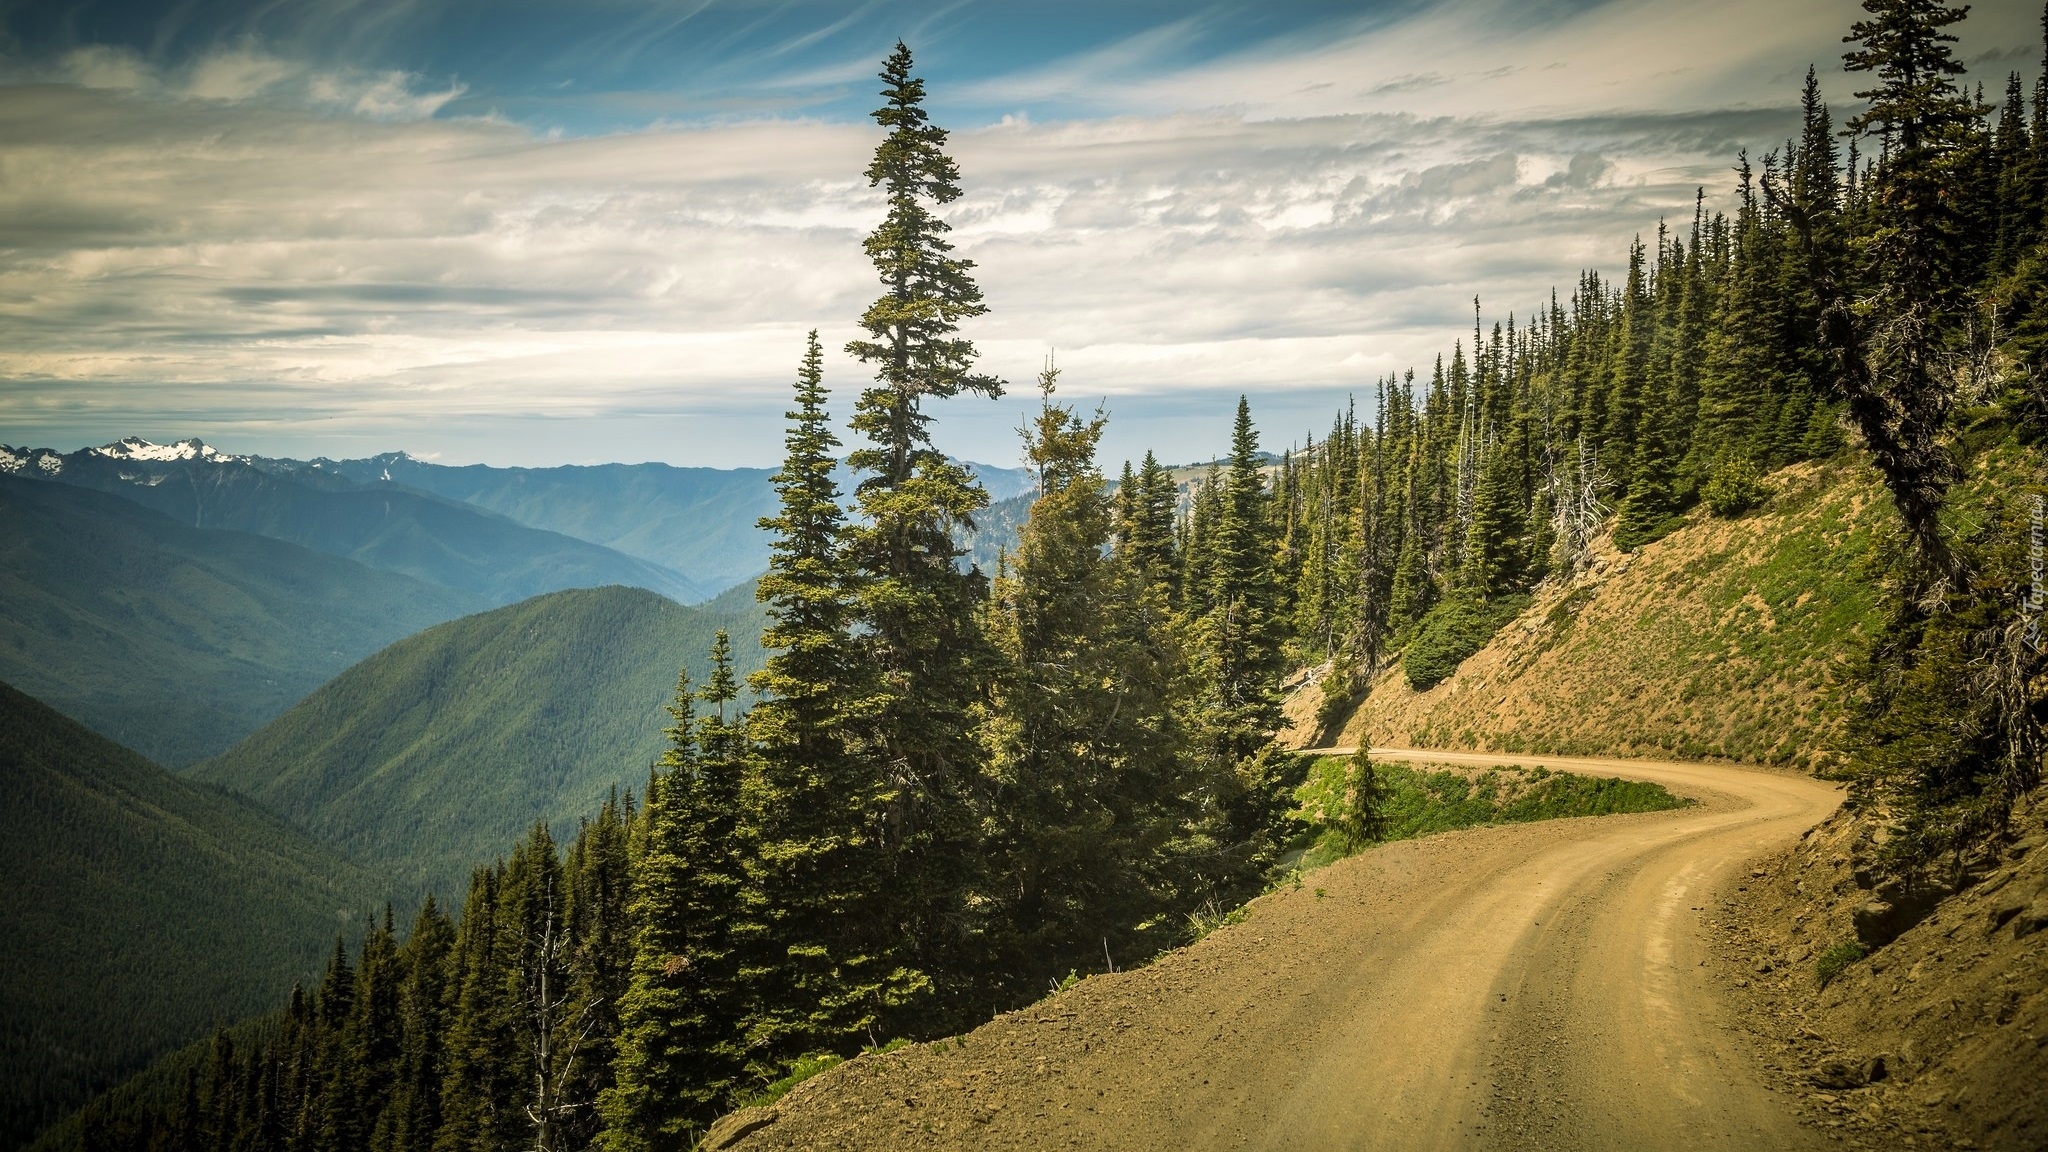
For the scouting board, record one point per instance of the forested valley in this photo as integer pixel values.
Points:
(954, 788)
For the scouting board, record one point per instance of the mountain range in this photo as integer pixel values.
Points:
(177, 641)
(377, 523)
(501, 533)
(159, 620)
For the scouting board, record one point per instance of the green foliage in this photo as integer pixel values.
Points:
(1238, 632)
(492, 1032)
(1951, 716)
(917, 615)
(1211, 916)
(826, 967)
(1090, 778)
(1734, 488)
(1949, 700)
(1362, 818)
(1416, 801)
(1495, 551)
(554, 702)
(1452, 631)
(1345, 800)
(179, 641)
(1341, 691)
(800, 1070)
(144, 909)
(682, 1044)
(1649, 513)
(1838, 957)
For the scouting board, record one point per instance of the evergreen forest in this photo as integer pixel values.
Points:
(954, 787)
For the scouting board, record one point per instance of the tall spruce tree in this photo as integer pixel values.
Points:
(599, 876)
(1242, 629)
(1885, 344)
(1238, 640)
(827, 970)
(423, 1007)
(916, 612)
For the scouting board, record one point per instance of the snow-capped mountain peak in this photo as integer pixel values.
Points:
(137, 449)
(29, 461)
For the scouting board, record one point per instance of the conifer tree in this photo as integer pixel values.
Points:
(826, 974)
(374, 1041)
(1238, 650)
(917, 612)
(423, 1005)
(1362, 819)
(1884, 345)
(1195, 594)
(1494, 550)
(681, 1048)
(1147, 527)
(598, 875)
(1242, 629)
(478, 1112)
(1086, 756)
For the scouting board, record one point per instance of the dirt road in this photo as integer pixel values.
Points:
(1529, 986)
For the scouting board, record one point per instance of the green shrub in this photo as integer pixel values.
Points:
(1835, 959)
(1342, 689)
(1211, 916)
(1415, 801)
(1734, 488)
(1452, 631)
(802, 1069)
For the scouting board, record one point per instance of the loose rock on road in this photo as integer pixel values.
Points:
(1526, 986)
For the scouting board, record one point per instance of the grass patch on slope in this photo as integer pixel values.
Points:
(1425, 799)
(1724, 640)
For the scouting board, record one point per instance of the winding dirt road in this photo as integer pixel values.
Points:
(1527, 986)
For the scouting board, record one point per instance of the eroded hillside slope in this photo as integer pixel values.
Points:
(1928, 1032)
(1719, 641)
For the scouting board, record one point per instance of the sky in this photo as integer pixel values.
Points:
(545, 232)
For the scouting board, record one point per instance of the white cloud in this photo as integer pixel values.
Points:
(234, 75)
(328, 254)
(100, 66)
(386, 95)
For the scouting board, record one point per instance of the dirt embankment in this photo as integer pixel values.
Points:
(1542, 985)
(1720, 641)
(1938, 1038)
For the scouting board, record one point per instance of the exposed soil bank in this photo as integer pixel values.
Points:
(1939, 1037)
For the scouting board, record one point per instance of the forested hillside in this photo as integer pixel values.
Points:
(436, 752)
(695, 521)
(143, 911)
(954, 790)
(178, 641)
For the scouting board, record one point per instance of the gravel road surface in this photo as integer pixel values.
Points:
(1528, 986)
